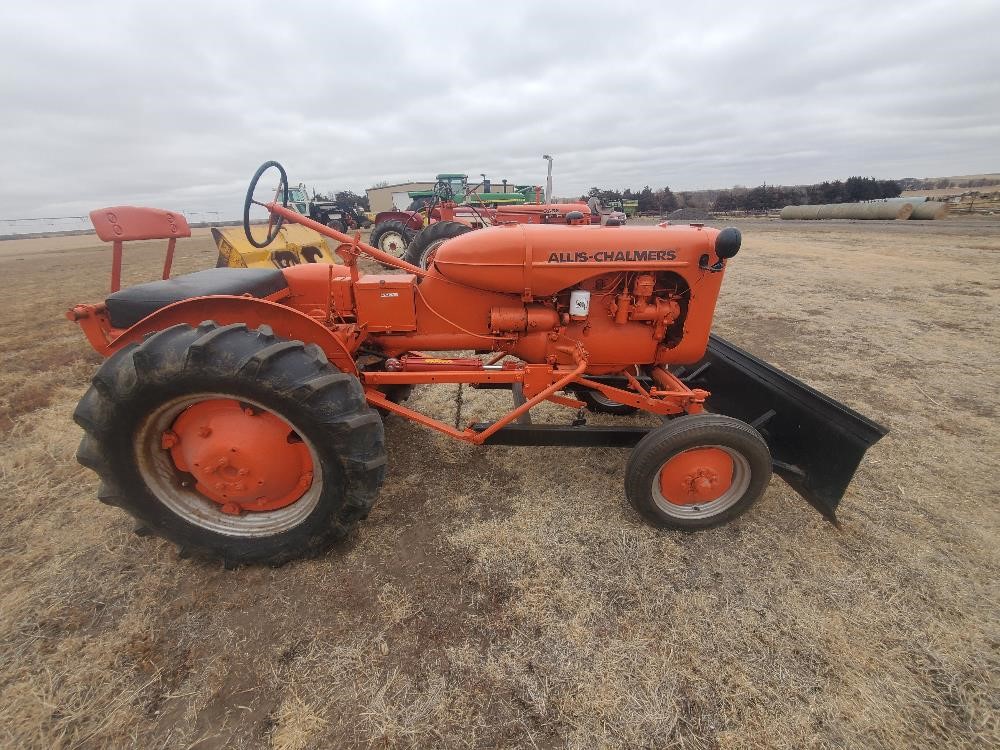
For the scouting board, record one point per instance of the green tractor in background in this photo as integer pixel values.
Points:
(455, 188)
(623, 209)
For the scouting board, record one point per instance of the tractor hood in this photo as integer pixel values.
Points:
(543, 208)
(541, 260)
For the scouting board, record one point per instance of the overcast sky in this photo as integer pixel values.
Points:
(175, 103)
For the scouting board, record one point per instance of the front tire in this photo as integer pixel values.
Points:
(233, 443)
(697, 471)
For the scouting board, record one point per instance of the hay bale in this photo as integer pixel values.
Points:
(880, 211)
(905, 209)
(929, 210)
(800, 212)
(873, 210)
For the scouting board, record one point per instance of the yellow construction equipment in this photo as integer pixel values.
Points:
(295, 244)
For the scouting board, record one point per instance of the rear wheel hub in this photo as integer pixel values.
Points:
(241, 457)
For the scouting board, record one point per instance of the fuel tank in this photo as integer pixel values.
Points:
(540, 260)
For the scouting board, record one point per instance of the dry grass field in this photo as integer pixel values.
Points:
(510, 597)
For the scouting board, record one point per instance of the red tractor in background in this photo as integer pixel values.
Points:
(453, 200)
(448, 224)
(237, 412)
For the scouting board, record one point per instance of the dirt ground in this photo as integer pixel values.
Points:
(510, 597)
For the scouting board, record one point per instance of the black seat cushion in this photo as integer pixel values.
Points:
(128, 306)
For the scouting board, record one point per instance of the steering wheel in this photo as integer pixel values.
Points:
(281, 194)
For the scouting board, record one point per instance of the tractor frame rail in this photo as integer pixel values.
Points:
(532, 384)
(570, 435)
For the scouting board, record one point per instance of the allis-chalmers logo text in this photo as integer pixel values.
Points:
(614, 256)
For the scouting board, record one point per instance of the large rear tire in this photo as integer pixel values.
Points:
(697, 471)
(161, 418)
(423, 247)
(391, 237)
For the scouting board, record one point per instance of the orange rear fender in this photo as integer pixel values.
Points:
(285, 321)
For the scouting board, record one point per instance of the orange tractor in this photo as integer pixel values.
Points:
(239, 411)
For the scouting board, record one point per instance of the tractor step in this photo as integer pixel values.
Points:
(816, 442)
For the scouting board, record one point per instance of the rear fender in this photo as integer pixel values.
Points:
(286, 322)
(816, 443)
(410, 219)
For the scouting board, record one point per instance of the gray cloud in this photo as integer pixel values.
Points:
(176, 103)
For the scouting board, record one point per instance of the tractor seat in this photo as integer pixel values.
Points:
(128, 306)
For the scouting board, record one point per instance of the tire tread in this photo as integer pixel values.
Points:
(439, 230)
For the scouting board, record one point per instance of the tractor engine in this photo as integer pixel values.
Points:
(627, 295)
(635, 295)
(617, 317)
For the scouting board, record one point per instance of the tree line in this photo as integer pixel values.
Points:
(768, 197)
(753, 200)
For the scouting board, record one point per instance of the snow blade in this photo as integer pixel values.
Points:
(816, 443)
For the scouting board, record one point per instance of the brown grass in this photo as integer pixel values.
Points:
(510, 597)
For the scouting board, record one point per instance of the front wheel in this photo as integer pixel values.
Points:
(233, 443)
(697, 471)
